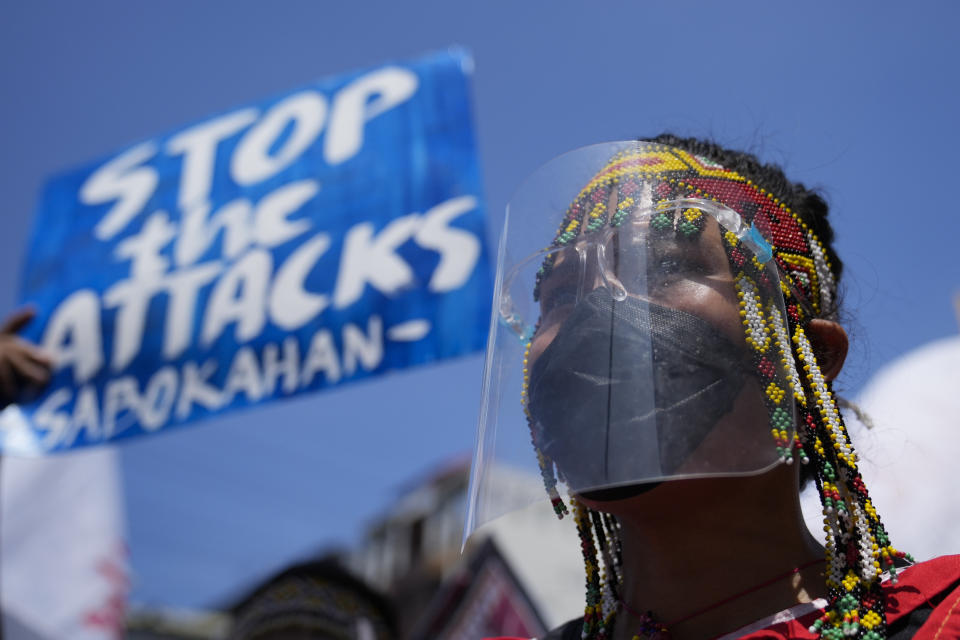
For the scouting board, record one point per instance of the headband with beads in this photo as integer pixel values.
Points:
(677, 173)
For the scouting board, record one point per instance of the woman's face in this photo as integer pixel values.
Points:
(639, 370)
(691, 275)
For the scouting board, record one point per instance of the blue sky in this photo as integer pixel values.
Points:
(858, 100)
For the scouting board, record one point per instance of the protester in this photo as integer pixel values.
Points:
(314, 601)
(685, 312)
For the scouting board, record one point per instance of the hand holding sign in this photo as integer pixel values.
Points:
(22, 364)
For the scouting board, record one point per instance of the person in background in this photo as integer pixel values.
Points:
(678, 340)
(314, 601)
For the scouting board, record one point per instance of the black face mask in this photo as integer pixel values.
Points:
(628, 390)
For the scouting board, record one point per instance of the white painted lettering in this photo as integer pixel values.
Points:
(244, 375)
(72, 335)
(195, 389)
(143, 249)
(49, 418)
(360, 102)
(271, 226)
(458, 249)
(321, 357)
(86, 415)
(198, 145)
(291, 305)
(199, 233)
(252, 161)
(182, 287)
(368, 258)
(120, 395)
(239, 296)
(365, 349)
(132, 299)
(122, 179)
(158, 399)
(274, 366)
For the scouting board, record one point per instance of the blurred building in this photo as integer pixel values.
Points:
(415, 546)
(173, 624)
(520, 575)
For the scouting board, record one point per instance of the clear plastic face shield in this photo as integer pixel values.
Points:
(630, 342)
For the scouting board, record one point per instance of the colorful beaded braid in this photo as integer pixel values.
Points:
(857, 547)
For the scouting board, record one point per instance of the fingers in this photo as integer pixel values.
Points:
(22, 364)
(33, 353)
(28, 369)
(18, 320)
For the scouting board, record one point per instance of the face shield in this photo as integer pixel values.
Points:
(638, 336)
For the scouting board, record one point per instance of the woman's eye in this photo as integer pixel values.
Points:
(671, 265)
(670, 269)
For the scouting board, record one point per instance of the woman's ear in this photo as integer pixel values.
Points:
(830, 344)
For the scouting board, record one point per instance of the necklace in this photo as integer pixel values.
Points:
(651, 629)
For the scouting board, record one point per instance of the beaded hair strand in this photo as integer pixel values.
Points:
(857, 547)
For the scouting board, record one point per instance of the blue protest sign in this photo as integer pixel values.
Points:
(323, 236)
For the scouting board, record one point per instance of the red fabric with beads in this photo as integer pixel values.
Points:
(934, 581)
(926, 582)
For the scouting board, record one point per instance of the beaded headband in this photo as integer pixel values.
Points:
(799, 254)
(858, 549)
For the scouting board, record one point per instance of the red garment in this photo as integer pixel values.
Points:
(921, 585)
